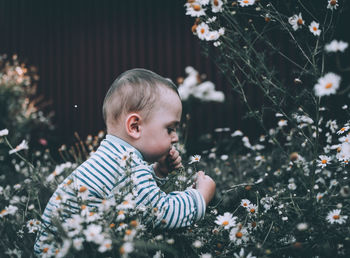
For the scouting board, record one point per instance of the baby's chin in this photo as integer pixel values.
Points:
(156, 158)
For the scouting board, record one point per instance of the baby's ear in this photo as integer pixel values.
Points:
(132, 125)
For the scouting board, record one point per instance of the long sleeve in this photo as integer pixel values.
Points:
(175, 210)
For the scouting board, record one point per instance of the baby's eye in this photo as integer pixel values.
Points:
(170, 130)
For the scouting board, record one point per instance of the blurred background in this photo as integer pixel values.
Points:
(79, 47)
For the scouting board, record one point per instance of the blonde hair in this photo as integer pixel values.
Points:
(135, 90)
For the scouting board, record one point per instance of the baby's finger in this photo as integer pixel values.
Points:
(173, 154)
(201, 174)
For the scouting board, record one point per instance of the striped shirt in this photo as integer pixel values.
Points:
(104, 174)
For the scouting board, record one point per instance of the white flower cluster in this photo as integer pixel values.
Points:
(204, 91)
(202, 28)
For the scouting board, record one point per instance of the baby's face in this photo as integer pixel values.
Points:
(159, 131)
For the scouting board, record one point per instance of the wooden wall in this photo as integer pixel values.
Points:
(80, 46)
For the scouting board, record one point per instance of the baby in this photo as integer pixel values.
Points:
(142, 111)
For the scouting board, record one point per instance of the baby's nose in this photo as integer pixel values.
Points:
(174, 138)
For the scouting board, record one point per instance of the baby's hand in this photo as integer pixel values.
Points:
(206, 186)
(172, 161)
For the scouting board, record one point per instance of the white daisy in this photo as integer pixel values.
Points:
(245, 203)
(336, 46)
(4, 132)
(332, 4)
(239, 235)
(327, 85)
(343, 130)
(246, 2)
(216, 6)
(194, 9)
(128, 203)
(9, 210)
(126, 248)
(334, 216)
(194, 159)
(319, 197)
(344, 152)
(292, 186)
(302, 226)
(296, 21)
(93, 233)
(237, 133)
(253, 209)
(83, 192)
(33, 225)
(78, 243)
(197, 244)
(323, 161)
(282, 123)
(106, 245)
(314, 28)
(202, 31)
(212, 35)
(22, 146)
(242, 254)
(226, 221)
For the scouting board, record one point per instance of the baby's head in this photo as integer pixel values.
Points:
(144, 109)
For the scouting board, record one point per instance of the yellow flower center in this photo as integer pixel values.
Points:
(108, 246)
(82, 189)
(58, 197)
(216, 2)
(239, 234)
(300, 21)
(252, 210)
(315, 29)
(45, 250)
(133, 223)
(3, 211)
(333, 2)
(121, 250)
(324, 161)
(112, 225)
(120, 212)
(128, 232)
(225, 223)
(245, 204)
(125, 202)
(328, 85)
(336, 216)
(196, 7)
(245, 1)
(83, 207)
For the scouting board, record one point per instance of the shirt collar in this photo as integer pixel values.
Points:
(119, 141)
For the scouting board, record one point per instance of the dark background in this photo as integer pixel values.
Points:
(80, 46)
